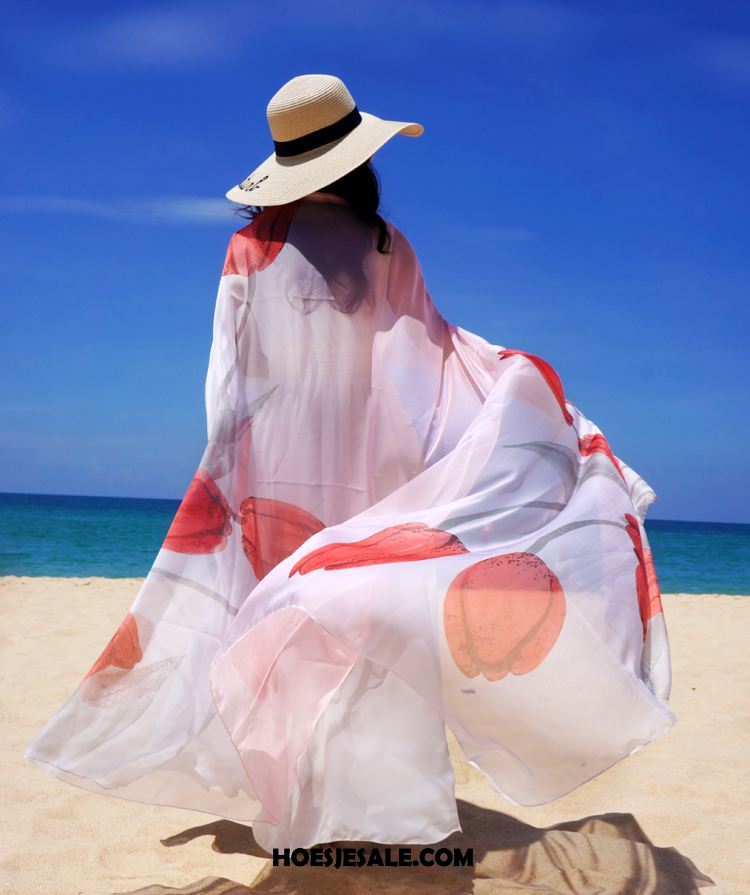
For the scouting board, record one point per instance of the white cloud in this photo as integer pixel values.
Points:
(7, 111)
(160, 37)
(157, 210)
(494, 233)
(543, 23)
(726, 58)
(156, 38)
(175, 36)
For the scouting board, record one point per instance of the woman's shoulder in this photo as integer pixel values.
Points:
(253, 247)
(397, 234)
(402, 250)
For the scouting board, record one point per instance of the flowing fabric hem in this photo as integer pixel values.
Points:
(668, 717)
(92, 786)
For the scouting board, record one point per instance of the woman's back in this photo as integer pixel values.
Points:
(326, 341)
(304, 303)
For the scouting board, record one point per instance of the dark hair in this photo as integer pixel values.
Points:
(361, 189)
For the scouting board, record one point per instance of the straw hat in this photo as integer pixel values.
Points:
(319, 135)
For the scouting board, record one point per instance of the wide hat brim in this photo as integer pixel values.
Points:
(280, 180)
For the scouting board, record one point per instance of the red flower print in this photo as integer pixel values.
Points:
(399, 543)
(591, 444)
(646, 582)
(203, 521)
(122, 651)
(503, 615)
(272, 529)
(550, 377)
(256, 246)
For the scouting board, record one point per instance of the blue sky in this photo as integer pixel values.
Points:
(581, 192)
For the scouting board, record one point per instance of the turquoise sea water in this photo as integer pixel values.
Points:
(119, 537)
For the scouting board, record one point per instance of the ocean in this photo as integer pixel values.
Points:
(119, 537)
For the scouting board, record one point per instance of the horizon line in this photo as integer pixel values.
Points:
(178, 499)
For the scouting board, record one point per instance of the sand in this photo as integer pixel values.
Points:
(670, 819)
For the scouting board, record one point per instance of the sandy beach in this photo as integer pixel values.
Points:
(673, 818)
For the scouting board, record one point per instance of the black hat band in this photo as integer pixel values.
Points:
(327, 134)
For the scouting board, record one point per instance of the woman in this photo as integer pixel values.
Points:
(395, 525)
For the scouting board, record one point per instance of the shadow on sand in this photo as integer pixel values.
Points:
(607, 854)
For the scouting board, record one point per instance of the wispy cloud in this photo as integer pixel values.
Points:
(530, 34)
(726, 58)
(151, 211)
(197, 210)
(493, 233)
(7, 111)
(540, 22)
(160, 36)
(171, 36)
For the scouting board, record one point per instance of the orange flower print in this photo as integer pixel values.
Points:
(591, 444)
(203, 521)
(503, 615)
(122, 651)
(400, 543)
(272, 529)
(550, 377)
(646, 582)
